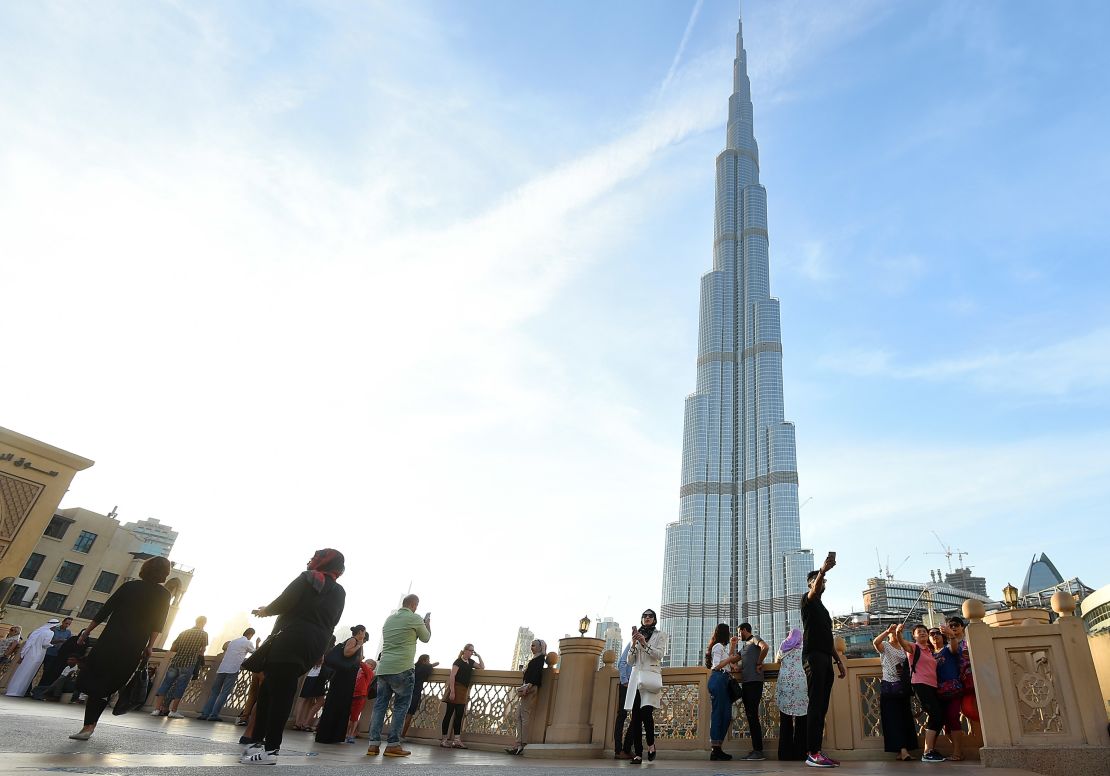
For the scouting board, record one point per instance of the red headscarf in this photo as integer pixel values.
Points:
(324, 564)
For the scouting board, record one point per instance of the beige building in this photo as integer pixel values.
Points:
(80, 559)
(33, 478)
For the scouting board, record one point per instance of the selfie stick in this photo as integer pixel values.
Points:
(924, 590)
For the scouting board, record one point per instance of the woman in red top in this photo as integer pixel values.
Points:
(362, 690)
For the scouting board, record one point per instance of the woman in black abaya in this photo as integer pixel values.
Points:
(332, 728)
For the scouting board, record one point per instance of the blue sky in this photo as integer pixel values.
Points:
(410, 278)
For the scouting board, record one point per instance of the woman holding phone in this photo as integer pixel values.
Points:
(645, 683)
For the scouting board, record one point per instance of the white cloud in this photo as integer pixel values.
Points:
(1072, 368)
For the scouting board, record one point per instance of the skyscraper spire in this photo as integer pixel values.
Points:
(735, 552)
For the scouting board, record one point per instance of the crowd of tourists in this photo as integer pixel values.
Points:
(935, 668)
(338, 681)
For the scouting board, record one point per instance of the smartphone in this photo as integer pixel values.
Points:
(832, 557)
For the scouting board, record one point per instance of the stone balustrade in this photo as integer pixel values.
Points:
(1037, 688)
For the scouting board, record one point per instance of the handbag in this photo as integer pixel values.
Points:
(735, 691)
(257, 659)
(337, 661)
(133, 695)
(650, 681)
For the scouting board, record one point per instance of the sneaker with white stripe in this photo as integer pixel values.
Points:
(259, 758)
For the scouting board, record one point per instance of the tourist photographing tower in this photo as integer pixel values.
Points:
(735, 552)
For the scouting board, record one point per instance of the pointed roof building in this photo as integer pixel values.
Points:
(1042, 575)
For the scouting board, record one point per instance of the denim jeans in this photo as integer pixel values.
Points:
(173, 686)
(721, 715)
(221, 688)
(398, 686)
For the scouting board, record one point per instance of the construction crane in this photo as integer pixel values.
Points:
(949, 552)
(886, 572)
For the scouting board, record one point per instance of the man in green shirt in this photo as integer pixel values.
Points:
(396, 673)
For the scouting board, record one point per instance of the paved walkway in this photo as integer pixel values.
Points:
(33, 740)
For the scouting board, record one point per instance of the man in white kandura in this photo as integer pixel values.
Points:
(32, 654)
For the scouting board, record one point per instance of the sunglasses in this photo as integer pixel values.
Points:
(934, 633)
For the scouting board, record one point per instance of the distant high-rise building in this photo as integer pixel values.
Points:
(522, 652)
(157, 539)
(610, 630)
(1042, 574)
(735, 552)
(964, 580)
(884, 596)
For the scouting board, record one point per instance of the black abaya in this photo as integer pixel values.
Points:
(332, 727)
(137, 609)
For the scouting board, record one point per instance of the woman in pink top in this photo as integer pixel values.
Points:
(923, 679)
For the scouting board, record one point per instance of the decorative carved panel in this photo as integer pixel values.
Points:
(1037, 695)
(17, 496)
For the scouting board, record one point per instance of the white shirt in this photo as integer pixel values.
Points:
(717, 654)
(236, 653)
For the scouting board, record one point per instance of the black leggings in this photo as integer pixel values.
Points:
(643, 718)
(457, 710)
(94, 707)
(930, 702)
(275, 702)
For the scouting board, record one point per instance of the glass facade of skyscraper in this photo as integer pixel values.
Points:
(735, 554)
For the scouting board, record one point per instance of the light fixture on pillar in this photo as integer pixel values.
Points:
(1010, 596)
(583, 626)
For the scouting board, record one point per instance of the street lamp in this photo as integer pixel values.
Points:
(583, 626)
(1010, 596)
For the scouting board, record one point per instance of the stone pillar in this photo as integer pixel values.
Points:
(1020, 616)
(570, 721)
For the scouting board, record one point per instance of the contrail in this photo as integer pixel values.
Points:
(681, 47)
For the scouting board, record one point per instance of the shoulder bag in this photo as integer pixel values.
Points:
(337, 661)
(255, 660)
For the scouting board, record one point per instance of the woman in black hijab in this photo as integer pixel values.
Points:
(307, 611)
(645, 683)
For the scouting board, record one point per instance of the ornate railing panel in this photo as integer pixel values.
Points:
(676, 717)
(768, 714)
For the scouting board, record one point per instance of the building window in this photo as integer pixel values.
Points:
(105, 582)
(19, 593)
(34, 563)
(53, 602)
(90, 609)
(84, 542)
(69, 572)
(58, 527)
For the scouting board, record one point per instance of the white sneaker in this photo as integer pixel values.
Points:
(175, 715)
(156, 713)
(253, 749)
(259, 758)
